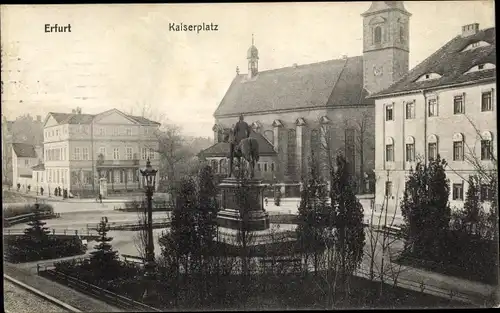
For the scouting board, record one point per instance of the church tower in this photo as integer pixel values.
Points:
(385, 44)
(253, 60)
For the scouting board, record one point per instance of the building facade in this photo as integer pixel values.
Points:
(25, 129)
(446, 105)
(305, 110)
(83, 151)
(24, 157)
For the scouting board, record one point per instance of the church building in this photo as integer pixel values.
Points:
(298, 111)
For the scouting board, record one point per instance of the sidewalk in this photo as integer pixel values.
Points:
(58, 291)
(52, 198)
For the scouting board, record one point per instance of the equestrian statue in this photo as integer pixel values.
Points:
(242, 145)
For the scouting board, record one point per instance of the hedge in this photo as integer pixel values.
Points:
(19, 249)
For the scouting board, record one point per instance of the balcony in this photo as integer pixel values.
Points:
(117, 163)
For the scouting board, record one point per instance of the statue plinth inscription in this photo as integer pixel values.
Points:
(232, 213)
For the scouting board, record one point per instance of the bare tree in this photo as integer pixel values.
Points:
(382, 246)
(141, 236)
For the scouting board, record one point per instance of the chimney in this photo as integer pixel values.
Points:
(470, 29)
(295, 65)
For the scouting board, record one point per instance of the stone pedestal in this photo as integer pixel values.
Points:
(103, 187)
(230, 216)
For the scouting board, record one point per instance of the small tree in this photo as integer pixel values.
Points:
(313, 210)
(37, 230)
(104, 260)
(350, 235)
(425, 208)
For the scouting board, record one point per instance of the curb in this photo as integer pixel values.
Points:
(41, 294)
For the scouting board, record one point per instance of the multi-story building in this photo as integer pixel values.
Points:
(83, 150)
(24, 129)
(24, 157)
(446, 106)
(298, 107)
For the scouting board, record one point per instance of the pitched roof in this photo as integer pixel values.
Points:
(23, 150)
(451, 63)
(329, 83)
(39, 167)
(221, 149)
(79, 118)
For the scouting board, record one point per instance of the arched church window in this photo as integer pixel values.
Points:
(292, 153)
(377, 35)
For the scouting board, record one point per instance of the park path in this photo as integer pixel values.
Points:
(70, 296)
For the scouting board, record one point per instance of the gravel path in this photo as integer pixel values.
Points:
(19, 300)
(68, 295)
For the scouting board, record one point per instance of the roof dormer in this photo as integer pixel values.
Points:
(481, 67)
(428, 76)
(475, 45)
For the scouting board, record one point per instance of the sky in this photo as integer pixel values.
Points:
(125, 56)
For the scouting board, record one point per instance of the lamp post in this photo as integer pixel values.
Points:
(149, 182)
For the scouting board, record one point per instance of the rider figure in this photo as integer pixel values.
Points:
(241, 131)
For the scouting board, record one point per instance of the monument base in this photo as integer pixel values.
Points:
(284, 233)
(230, 215)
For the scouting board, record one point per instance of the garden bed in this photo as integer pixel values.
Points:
(259, 292)
(488, 276)
(466, 256)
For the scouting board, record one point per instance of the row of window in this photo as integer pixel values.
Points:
(432, 150)
(486, 193)
(432, 105)
(56, 132)
(55, 154)
(83, 153)
(85, 129)
(54, 176)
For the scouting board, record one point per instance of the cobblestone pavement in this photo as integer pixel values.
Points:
(68, 295)
(19, 300)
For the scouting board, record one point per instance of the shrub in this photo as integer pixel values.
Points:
(20, 249)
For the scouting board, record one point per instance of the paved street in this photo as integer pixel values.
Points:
(20, 300)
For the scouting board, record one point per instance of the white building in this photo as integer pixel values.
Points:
(80, 149)
(446, 106)
(24, 157)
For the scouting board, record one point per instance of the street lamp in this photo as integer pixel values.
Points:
(149, 182)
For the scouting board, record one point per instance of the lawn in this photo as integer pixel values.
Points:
(12, 197)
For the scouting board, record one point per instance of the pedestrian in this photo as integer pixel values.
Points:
(100, 197)
(41, 191)
(265, 200)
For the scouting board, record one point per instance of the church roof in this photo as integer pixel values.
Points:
(451, 62)
(24, 150)
(221, 149)
(325, 84)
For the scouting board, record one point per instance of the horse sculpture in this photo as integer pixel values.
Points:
(248, 148)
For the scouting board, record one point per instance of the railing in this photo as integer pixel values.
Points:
(100, 293)
(165, 222)
(65, 232)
